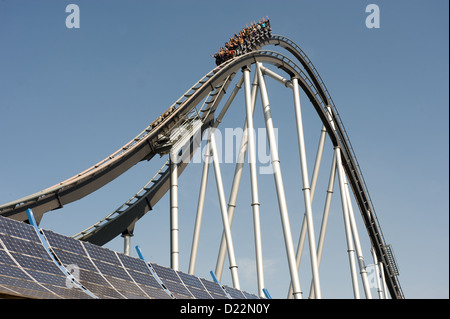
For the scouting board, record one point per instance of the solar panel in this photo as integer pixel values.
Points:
(139, 271)
(73, 256)
(249, 295)
(32, 268)
(26, 265)
(112, 269)
(171, 280)
(20, 230)
(14, 279)
(214, 289)
(234, 293)
(194, 285)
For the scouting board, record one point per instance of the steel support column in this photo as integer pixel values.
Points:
(174, 230)
(126, 243)
(279, 186)
(207, 161)
(223, 208)
(377, 274)
(359, 253)
(254, 183)
(236, 183)
(326, 213)
(200, 206)
(348, 230)
(306, 190)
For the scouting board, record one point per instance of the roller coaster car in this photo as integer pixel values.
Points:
(169, 111)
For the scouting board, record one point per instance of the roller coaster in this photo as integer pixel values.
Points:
(199, 111)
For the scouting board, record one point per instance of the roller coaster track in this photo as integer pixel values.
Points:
(184, 114)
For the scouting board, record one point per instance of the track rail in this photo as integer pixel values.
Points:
(152, 140)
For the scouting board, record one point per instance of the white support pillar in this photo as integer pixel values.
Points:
(126, 242)
(326, 213)
(236, 183)
(306, 190)
(383, 279)
(200, 206)
(207, 160)
(279, 186)
(254, 183)
(377, 274)
(302, 237)
(174, 244)
(348, 230)
(359, 253)
(223, 208)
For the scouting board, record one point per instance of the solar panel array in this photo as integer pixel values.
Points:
(46, 265)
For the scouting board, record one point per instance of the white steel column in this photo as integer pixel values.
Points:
(279, 186)
(126, 243)
(383, 279)
(174, 247)
(200, 206)
(359, 253)
(326, 213)
(236, 183)
(306, 190)
(254, 183)
(201, 200)
(377, 274)
(348, 230)
(223, 208)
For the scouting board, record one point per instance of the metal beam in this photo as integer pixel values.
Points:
(279, 186)
(254, 183)
(223, 208)
(174, 228)
(306, 190)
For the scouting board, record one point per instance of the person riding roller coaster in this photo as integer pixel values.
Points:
(246, 41)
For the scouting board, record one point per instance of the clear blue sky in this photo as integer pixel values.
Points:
(71, 97)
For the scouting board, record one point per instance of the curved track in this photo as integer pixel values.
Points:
(156, 139)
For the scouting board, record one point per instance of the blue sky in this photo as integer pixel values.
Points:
(71, 97)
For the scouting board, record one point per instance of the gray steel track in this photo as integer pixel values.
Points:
(148, 143)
